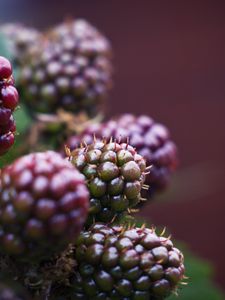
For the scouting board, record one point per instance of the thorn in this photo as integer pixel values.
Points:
(113, 219)
(143, 226)
(143, 199)
(169, 237)
(163, 231)
(146, 173)
(146, 188)
(184, 283)
(149, 167)
(145, 185)
(134, 210)
(67, 151)
(94, 138)
(123, 230)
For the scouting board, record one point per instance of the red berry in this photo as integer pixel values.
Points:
(10, 97)
(45, 221)
(6, 141)
(9, 127)
(5, 114)
(5, 68)
(8, 101)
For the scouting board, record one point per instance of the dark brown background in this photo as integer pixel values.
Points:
(170, 63)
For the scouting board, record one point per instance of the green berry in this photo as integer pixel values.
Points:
(117, 264)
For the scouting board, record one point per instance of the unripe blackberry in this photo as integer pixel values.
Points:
(8, 102)
(22, 40)
(43, 205)
(150, 139)
(120, 264)
(115, 174)
(72, 71)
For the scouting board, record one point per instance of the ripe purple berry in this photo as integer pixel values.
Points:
(10, 97)
(43, 202)
(8, 102)
(6, 142)
(21, 41)
(5, 68)
(72, 71)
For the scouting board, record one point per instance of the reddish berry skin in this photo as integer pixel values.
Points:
(6, 142)
(8, 102)
(5, 114)
(5, 68)
(43, 202)
(150, 139)
(10, 97)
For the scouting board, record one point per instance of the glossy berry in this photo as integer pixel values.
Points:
(43, 205)
(115, 174)
(8, 102)
(72, 71)
(150, 139)
(5, 68)
(6, 142)
(135, 264)
(22, 41)
(9, 96)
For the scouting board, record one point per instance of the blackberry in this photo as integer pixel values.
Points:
(43, 205)
(136, 264)
(115, 175)
(151, 140)
(22, 40)
(72, 71)
(8, 102)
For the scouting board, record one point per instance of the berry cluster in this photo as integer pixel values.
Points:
(59, 232)
(151, 140)
(22, 40)
(115, 263)
(115, 175)
(43, 202)
(72, 71)
(8, 103)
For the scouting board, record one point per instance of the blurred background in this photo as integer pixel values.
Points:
(170, 64)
